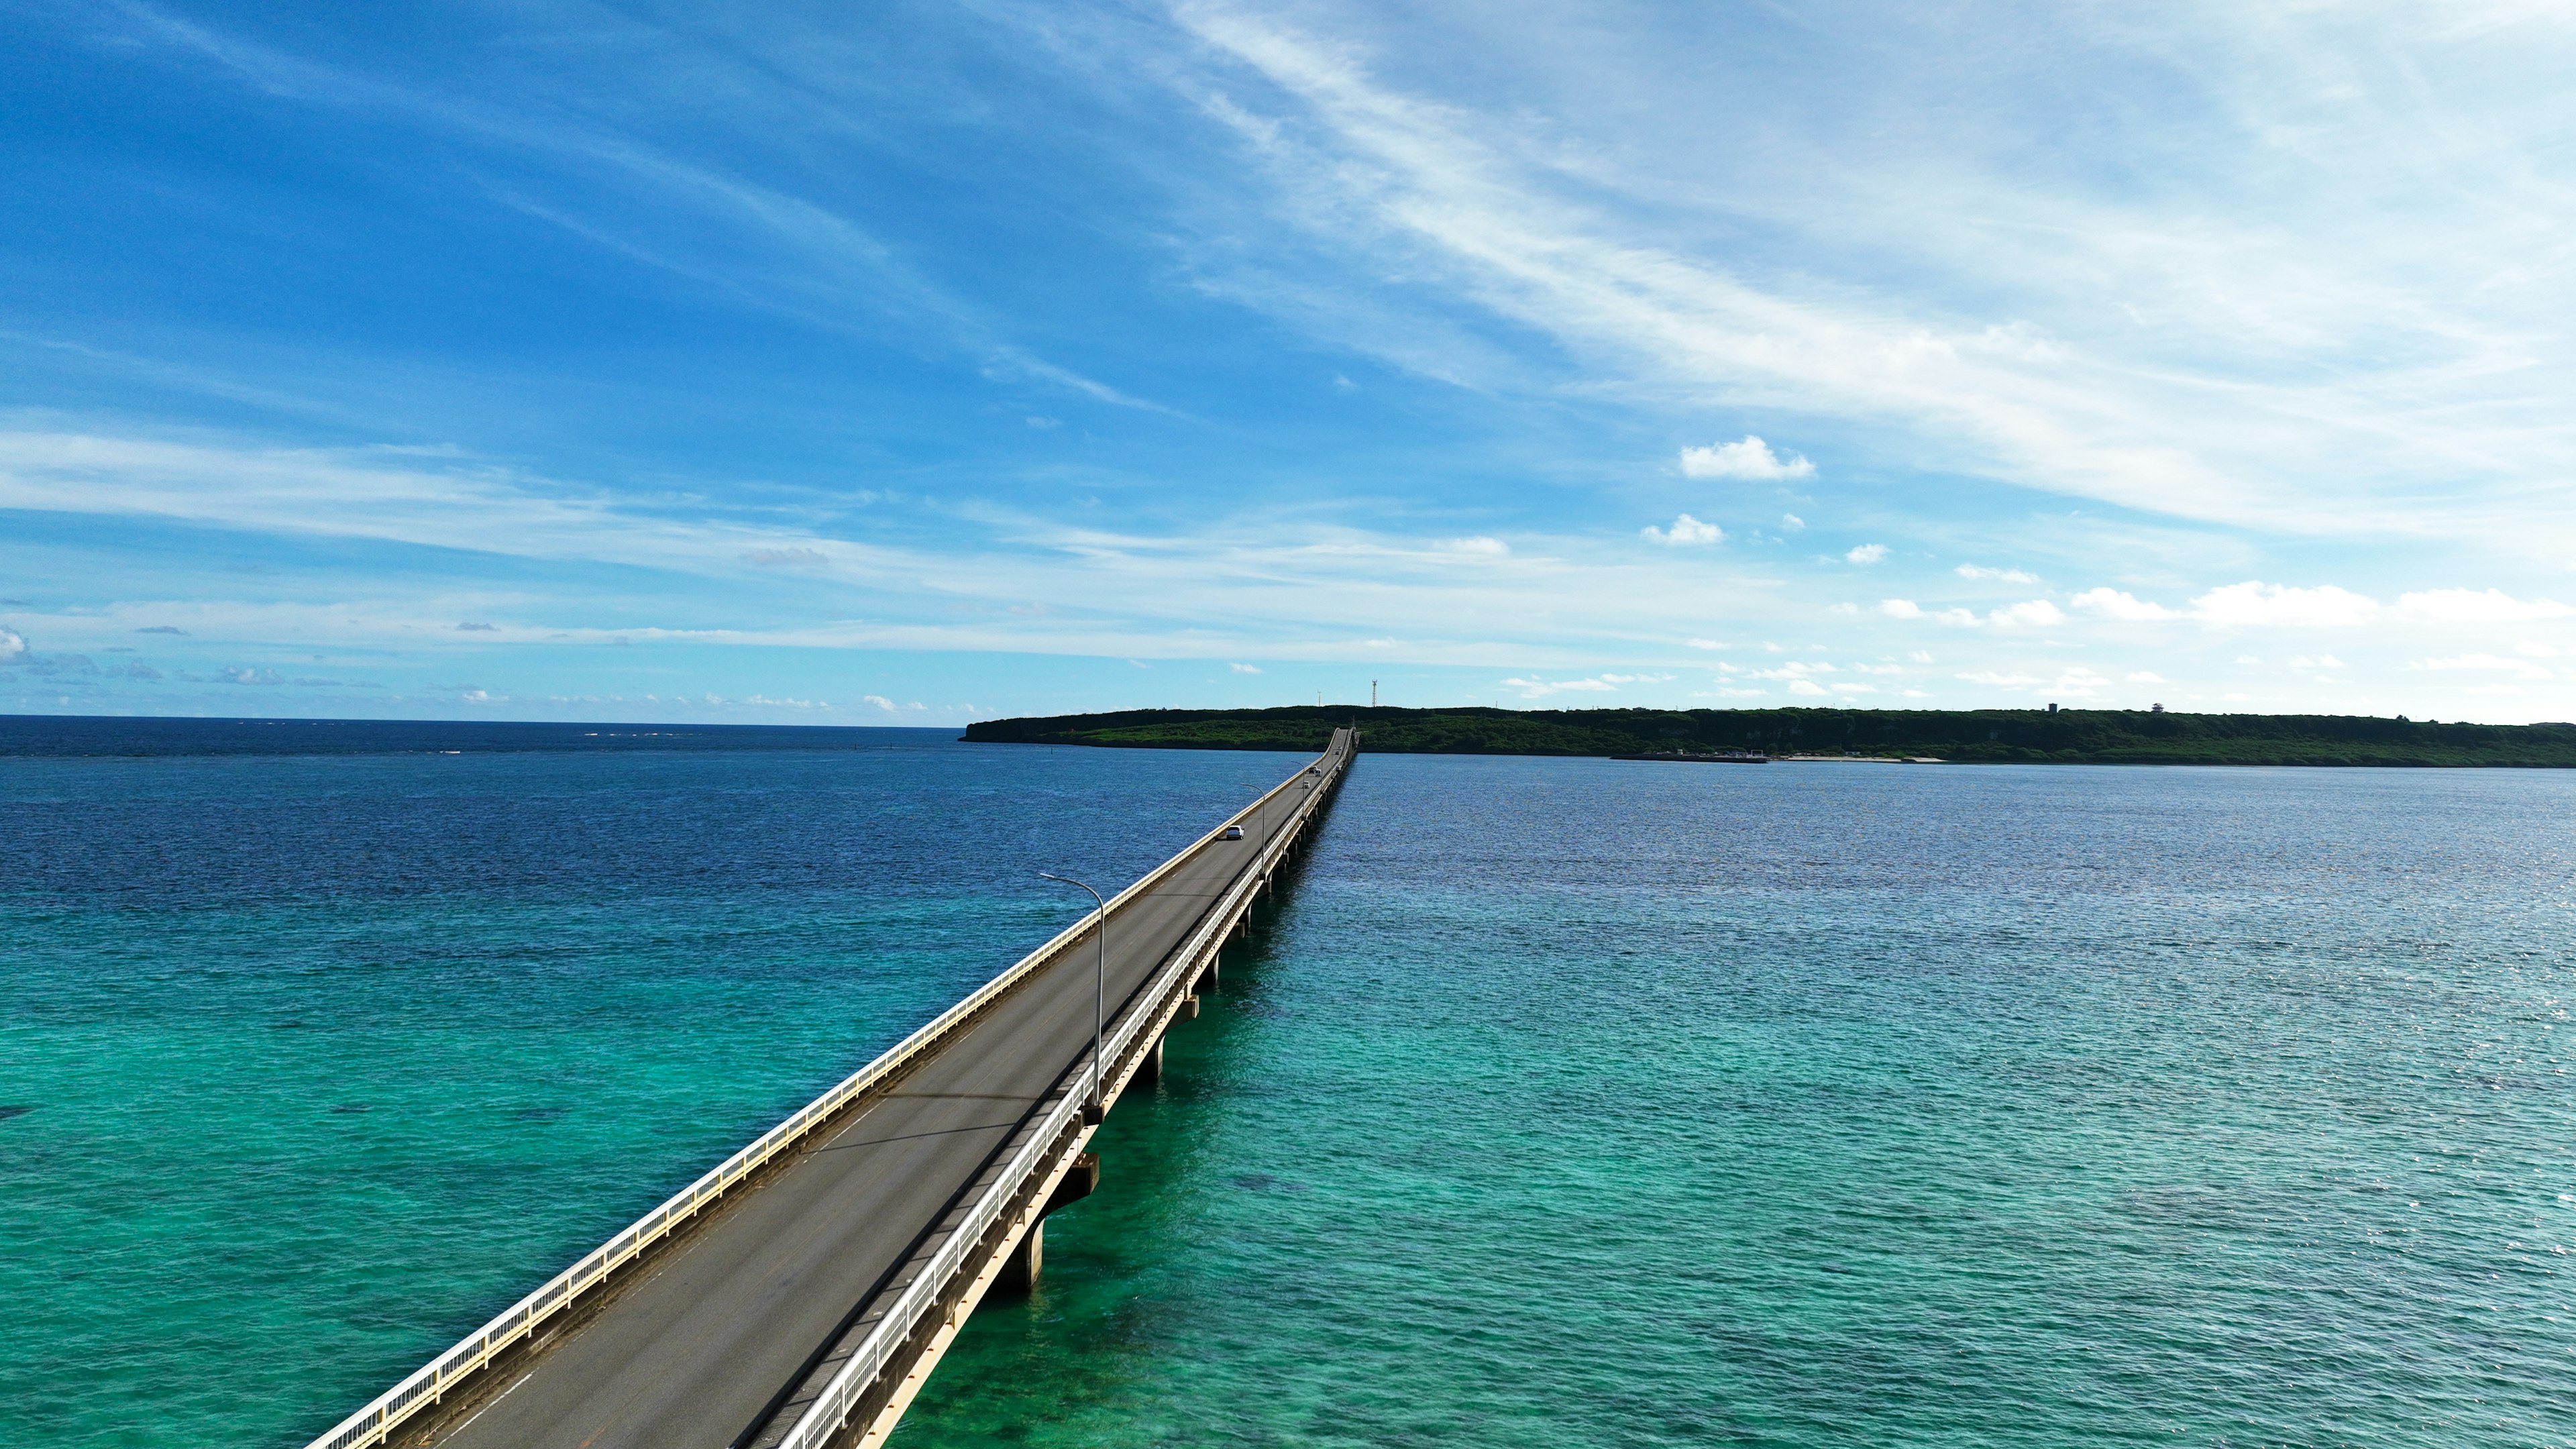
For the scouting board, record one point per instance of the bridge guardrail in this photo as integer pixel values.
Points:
(429, 1383)
(867, 1363)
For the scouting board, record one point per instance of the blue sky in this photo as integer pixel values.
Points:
(910, 363)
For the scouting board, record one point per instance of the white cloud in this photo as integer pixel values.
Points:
(1478, 546)
(2477, 606)
(1792, 522)
(2112, 603)
(1848, 688)
(1867, 553)
(1921, 656)
(2001, 680)
(2031, 614)
(1957, 618)
(1539, 688)
(1797, 669)
(1805, 686)
(1748, 458)
(1706, 643)
(2009, 576)
(1245, 668)
(13, 646)
(2259, 604)
(2291, 343)
(1635, 678)
(1900, 608)
(2078, 682)
(1685, 530)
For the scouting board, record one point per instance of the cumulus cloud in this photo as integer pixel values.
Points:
(2255, 604)
(1685, 530)
(1245, 668)
(2477, 606)
(2032, 614)
(1900, 608)
(1479, 546)
(1797, 670)
(2008, 576)
(1805, 686)
(1748, 458)
(1867, 553)
(13, 647)
(2113, 604)
(1792, 522)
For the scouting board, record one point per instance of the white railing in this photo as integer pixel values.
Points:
(868, 1361)
(431, 1382)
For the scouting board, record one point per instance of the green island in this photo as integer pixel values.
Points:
(1979, 736)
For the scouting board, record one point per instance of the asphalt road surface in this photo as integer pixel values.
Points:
(687, 1357)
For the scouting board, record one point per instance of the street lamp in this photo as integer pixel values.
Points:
(1092, 1113)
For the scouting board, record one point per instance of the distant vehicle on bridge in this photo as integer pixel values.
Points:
(1232, 832)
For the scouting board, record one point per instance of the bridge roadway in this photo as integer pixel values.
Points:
(701, 1347)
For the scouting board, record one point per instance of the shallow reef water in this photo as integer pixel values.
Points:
(1555, 1101)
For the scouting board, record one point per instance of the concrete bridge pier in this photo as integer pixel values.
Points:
(1019, 1270)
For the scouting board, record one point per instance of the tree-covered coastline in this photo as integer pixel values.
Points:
(1983, 736)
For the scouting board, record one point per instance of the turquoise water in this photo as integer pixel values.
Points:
(1564, 1102)
(1579, 1102)
(327, 1060)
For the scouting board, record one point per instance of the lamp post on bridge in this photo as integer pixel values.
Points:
(1094, 1111)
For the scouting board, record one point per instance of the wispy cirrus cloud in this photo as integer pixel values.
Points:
(2226, 372)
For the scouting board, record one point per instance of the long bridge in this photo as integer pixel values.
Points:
(798, 1295)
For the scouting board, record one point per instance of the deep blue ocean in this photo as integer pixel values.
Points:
(1558, 1102)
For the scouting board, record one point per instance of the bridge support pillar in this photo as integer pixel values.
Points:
(1019, 1272)
(1079, 1182)
(1149, 1068)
